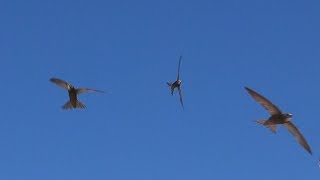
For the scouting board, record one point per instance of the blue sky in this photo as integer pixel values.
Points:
(138, 130)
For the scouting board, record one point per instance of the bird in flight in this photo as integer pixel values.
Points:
(277, 117)
(177, 83)
(73, 93)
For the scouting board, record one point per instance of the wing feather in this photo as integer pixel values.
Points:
(180, 94)
(273, 109)
(178, 77)
(84, 90)
(61, 83)
(296, 133)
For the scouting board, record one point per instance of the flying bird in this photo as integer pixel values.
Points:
(73, 93)
(277, 117)
(177, 83)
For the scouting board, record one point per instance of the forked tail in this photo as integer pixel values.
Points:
(261, 121)
(272, 127)
(171, 88)
(70, 105)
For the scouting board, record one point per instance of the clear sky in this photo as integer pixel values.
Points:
(138, 130)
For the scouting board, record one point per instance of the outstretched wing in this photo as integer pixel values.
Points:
(180, 94)
(61, 83)
(264, 102)
(178, 77)
(84, 90)
(294, 131)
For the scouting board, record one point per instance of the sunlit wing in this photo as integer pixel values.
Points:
(264, 102)
(84, 90)
(294, 131)
(61, 83)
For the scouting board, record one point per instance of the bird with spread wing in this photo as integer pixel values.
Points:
(277, 117)
(73, 93)
(177, 83)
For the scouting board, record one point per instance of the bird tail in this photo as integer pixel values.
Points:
(170, 84)
(272, 127)
(261, 121)
(70, 105)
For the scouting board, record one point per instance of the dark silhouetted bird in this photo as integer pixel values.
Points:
(73, 93)
(277, 117)
(177, 83)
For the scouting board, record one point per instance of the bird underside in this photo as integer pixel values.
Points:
(172, 87)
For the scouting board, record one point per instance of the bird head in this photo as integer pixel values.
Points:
(288, 116)
(70, 87)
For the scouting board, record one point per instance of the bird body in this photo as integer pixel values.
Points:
(73, 100)
(176, 84)
(274, 120)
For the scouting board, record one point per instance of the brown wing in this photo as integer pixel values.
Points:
(294, 131)
(61, 83)
(264, 102)
(180, 94)
(84, 90)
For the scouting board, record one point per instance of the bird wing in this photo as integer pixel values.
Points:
(61, 83)
(178, 77)
(180, 94)
(84, 90)
(294, 131)
(264, 102)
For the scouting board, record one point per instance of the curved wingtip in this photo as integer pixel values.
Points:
(52, 79)
(308, 148)
(100, 91)
(246, 88)
(250, 91)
